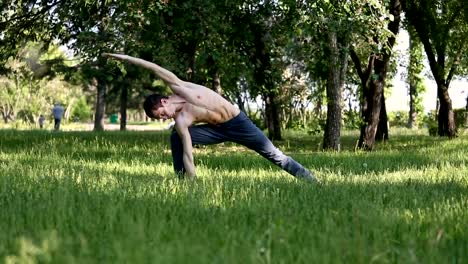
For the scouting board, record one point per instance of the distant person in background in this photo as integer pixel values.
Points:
(57, 111)
(41, 121)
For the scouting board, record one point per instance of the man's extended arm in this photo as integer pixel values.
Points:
(168, 77)
(195, 94)
(187, 157)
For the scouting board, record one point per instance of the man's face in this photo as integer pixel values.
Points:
(164, 111)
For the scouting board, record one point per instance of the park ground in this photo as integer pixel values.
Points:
(111, 197)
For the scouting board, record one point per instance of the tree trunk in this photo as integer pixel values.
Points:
(412, 106)
(382, 128)
(190, 49)
(5, 118)
(100, 106)
(374, 96)
(272, 117)
(318, 106)
(123, 107)
(435, 44)
(415, 68)
(216, 83)
(336, 73)
(5, 113)
(213, 71)
(372, 111)
(101, 63)
(240, 101)
(265, 86)
(466, 110)
(446, 119)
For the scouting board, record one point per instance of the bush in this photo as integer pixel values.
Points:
(316, 126)
(460, 115)
(398, 119)
(257, 119)
(352, 120)
(430, 123)
(81, 110)
(26, 116)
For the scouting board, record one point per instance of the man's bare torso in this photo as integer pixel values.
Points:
(204, 106)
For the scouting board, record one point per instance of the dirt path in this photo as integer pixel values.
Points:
(112, 127)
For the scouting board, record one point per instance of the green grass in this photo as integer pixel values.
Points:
(83, 197)
(83, 126)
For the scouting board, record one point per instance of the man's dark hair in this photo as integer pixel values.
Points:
(153, 102)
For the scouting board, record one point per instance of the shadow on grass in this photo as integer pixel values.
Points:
(406, 151)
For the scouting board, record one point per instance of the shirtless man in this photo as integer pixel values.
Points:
(192, 103)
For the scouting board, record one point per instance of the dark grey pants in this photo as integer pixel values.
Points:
(57, 123)
(240, 130)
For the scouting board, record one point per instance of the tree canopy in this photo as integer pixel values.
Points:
(291, 56)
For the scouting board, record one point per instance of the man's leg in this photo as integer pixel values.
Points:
(244, 132)
(201, 135)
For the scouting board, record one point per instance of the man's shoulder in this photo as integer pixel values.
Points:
(183, 119)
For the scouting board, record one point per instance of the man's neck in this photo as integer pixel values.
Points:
(178, 102)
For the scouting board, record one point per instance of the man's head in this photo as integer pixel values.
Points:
(159, 107)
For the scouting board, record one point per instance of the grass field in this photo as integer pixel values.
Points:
(83, 197)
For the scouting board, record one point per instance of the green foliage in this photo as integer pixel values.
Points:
(460, 117)
(81, 111)
(415, 68)
(443, 30)
(398, 118)
(30, 88)
(316, 126)
(352, 119)
(112, 198)
(257, 119)
(430, 122)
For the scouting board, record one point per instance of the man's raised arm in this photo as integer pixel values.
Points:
(167, 76)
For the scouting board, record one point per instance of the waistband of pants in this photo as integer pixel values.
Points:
(238, 118)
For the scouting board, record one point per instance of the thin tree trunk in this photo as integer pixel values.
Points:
(412, 106)
(216, 83)
(123, 107)
(412, 85)
(5, 112)
(5, 118)
(240, 102)
(213, 70)
(466, 110)
(100, 106)
(414, 70)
